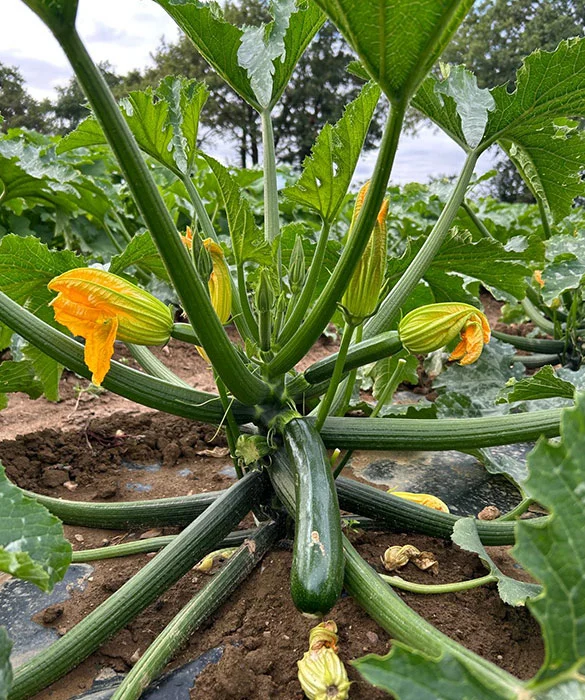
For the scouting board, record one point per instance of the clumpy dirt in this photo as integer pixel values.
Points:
(96, 446)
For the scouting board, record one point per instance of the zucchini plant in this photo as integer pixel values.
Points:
(280, 295)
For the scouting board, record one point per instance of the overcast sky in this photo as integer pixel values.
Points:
(126, 32)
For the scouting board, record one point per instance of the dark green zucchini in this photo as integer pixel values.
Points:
(317, 567)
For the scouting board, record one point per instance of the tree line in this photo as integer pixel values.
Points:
(492, 41)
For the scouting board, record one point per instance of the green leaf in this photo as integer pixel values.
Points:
(486, 260)
(409, 675)
(164, 122)
(247, 238)
(18, 376)
(261, 46)
(567, 268)
(457, 105)
(32, 545)
(543, 385)
(46, 370)
(5, 667)
(511, 591)
(219, 43)
(143, 252)
(328, 171)
(398, 41)
(552, 549)
(549, 155)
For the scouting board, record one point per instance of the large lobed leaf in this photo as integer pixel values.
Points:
(544, 384)
(328, 171)
(18, 376)
(32, 545)
(141, 251)
(220, 42)
(398, 41)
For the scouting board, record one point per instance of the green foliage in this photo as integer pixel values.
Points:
(141, 252)
(512, 591)
(32, 545)
(17, 107)
(397, 41)
(565, 267)
(327, 173)
(5, 667)
(543, 385)
(18, 376)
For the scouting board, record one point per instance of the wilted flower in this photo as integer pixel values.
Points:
(363, 292)
(102, 307)
(397, 556)
(322, 674)
(423, 499)
(433, 326)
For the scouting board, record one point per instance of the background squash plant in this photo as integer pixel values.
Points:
(131, 178)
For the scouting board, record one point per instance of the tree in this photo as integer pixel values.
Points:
(17, 106)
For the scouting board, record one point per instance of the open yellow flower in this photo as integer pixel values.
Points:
(433, 326)
(423, 499)
(363, 292)
(102, 307)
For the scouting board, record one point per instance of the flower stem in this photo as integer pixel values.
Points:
(390, 387)
(231, 429)
(390, 307)
(517, 511)
(431, 589)
(153, 365)
(481, 227)
(327, 400)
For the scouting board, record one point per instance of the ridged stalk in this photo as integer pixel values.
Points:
(151, 364)
(444, 434)
(180, 510)
(150, 544)
(199, 609)
(135, 595)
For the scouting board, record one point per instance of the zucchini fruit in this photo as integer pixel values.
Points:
(317, 567)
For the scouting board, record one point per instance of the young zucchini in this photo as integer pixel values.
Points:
(317, 567)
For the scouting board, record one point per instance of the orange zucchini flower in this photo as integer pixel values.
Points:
(423, 499)
(102, 307)
(433, 326)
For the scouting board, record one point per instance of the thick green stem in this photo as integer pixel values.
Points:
(185, 332)
(445, 434)
(191, 290)
(300, 308)
(390, 307)
(324, 307)
(150, 544)
(538, 345)
(403, 624)
(180, 510)
(122, 380)
(271, 218)
(199, 609)
(434, 589)
(326, 402)
(153, 365)
(544, 217)
(401, 515)
(126, 603)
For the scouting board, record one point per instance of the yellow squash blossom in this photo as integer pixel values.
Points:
(220, 288)
(423, 499)
(102, 307)
(361, 296)
(433, 326)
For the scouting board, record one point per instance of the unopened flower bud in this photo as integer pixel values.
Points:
(264, 293)
(363, 292)
(322, 675)
(433, 326)
(296, 268)
(252, 448)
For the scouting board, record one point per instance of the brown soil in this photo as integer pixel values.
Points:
(82, 450)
